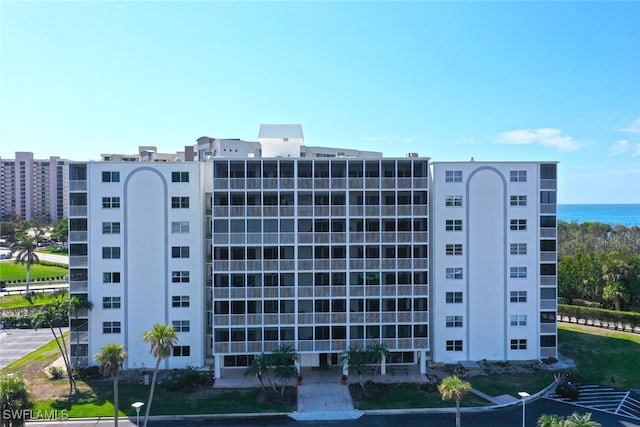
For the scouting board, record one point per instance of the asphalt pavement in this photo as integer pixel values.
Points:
(15, 343)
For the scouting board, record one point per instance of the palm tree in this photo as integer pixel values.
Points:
(355, 361)
(54, 316)
(25, 253)
(110, 359)
(550, 420)
(577, 420)
(454, 387)
(76, 305)
(375, 353)
(162, 339)
(615, 274)
(283, 361)
(259, 367)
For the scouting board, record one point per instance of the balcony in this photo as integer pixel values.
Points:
(78, 236)
(77, 211)
(78, 287)
(78, 261)
(75, 185)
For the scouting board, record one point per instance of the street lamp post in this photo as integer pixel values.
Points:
(523, 395)
(137, 405)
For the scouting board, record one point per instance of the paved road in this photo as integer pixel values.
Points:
(15, 343)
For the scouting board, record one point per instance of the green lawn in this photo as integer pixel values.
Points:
(17, 301)
(99, 401)
(496, 385)
(10, 271)
(404, 396)
(602, 354)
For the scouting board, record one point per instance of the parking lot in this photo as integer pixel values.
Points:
(605, 399)
(15, 343)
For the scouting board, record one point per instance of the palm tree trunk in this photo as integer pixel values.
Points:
(67, 362)
(115, 400)
(28, 278)
(153, 385)
(457, 412)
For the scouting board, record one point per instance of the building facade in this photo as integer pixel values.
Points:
(493, 261)
(323, 253)
(32, 188)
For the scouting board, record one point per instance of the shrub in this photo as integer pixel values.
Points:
(55, 372)
(187, 380)
(14, 400)
(609, 316)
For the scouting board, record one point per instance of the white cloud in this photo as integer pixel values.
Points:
(544, 136)
(620, 147)
(634, 127)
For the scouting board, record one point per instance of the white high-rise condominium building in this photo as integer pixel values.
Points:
(33, 188)
(321, 249)
(493, 261)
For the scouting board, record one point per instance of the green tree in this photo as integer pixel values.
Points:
(374, 355)
(60, 230)
(282, 362)
(577, 420)
(24, 251)
(14, 400)
(110, 359)
(454, 388)
(76, 305)
(355, 360)
(550, 420)
(259, 367)
(162, 339)
(55, 316)
(616, 272)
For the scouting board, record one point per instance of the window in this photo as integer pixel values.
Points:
(181, 325)
(179, 277)
(108, 176)
(454, 321)
(518, 224)
(454, 249)
(453, 201)
(453, 225)
(548, 171)
(519, 320)
(110, 228)
(547, 221)
(110, 252)
(518, 296)
(180, 202)
(111, 277)
(180, 252)
(518, 176)
(453, 176)
(518, 272)
(454, 273)
(518, 344)
(518, 200)
(111, 202)
(110, 302)
(453, 298)
(180, 301)
(179, 176)
(179, 227)
(518, 248)
(454, 345)
(182, 351)
(548, 197)
(111, 327)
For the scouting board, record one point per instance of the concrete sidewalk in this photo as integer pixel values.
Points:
(322, 397)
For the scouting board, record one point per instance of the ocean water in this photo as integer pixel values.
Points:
(627, 215)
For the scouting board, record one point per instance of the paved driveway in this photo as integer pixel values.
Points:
(15, 343)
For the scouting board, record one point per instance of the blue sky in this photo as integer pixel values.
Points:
(497, 81)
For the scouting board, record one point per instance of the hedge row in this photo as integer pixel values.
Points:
(601, 315)
(25, 322)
